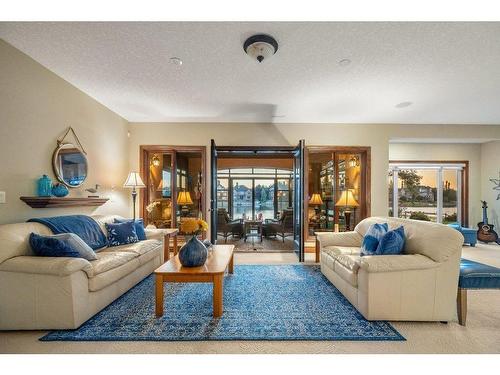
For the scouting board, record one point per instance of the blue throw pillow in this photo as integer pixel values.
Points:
(139, 227)
(58, 244)
(121, 233)
(392, 243)
(372, 237)
(51, 246)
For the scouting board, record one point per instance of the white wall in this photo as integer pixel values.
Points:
(37, 106)
(447, 152)
(490, 168)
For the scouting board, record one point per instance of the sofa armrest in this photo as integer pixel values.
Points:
(155, 233)
(394, 263)
(349, 239)
(57, 266)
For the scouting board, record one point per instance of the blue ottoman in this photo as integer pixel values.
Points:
(474, 275)
(470, 234)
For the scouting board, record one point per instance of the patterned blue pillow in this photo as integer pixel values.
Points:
(139, 227)
(372, 237)
(392, 243)
(121, 233)
(51, 246)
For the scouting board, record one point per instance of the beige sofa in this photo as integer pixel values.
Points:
(420, 285)
(62, 293)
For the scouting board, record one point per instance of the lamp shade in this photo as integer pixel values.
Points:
(134, 181)
(315, 200)
(347, 199)
(184, 198)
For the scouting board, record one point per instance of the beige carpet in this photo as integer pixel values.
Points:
(482, 334)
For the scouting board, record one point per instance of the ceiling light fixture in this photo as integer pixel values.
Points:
(403, 104)
(176, 61)
(344, 62)
(260, 47)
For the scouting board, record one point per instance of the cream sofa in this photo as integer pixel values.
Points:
(62, 293)
(420, 285)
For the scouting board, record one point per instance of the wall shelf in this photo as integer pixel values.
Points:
(54, 202)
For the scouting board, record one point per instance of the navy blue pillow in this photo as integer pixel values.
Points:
(139, 227)
(49, 246)
(372, 237)
(121, 233)
(392, 243)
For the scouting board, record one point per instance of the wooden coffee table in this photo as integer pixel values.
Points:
(219, 259)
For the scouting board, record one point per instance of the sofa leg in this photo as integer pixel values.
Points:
(462, 306)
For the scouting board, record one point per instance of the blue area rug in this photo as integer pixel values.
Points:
(285, 302)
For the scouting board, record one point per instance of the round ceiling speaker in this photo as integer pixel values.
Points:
(260, 47)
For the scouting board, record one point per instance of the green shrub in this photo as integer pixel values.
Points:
(419, 215)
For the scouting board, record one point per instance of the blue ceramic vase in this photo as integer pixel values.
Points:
(59, 190)
(44, 186)
(193, 254)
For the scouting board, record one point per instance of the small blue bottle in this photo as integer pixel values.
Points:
(44, 186)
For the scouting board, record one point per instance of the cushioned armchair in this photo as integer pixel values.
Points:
(227, 227)
(420, 285)
(282, 227)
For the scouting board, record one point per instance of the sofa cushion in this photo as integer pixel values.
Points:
(110, 276)
(335, 250)
(70, 241)
(139, 227)
(392, 243)
(51, 246)
(58, 266)
(347, 266)
(138, 248)
(109, 260)
(372, 238)
(121, 233)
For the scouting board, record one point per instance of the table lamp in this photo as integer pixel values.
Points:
(347, 200)
(316, 201)
(183, 200)
(134, 181)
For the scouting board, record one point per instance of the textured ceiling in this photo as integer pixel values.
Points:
(449, 71)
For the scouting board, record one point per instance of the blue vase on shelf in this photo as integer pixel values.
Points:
(194, 253)
(44, 186)
(59, 190)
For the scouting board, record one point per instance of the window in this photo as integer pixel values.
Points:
(428, 191)
(250, 192)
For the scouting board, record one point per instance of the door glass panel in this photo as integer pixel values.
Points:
(264, 199)
(223, 193)
(242, 199)
(283, 195)
(450, 195)
(417, 194)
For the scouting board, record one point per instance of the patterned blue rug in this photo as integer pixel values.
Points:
(285, 302)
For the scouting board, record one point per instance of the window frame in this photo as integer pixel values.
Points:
(438, 165)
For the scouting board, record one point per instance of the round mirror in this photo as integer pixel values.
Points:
(70, 165)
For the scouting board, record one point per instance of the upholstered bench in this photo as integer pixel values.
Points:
(470, 234)
(474, 275)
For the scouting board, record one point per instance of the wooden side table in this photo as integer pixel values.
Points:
(249, 225)
(170, 233)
